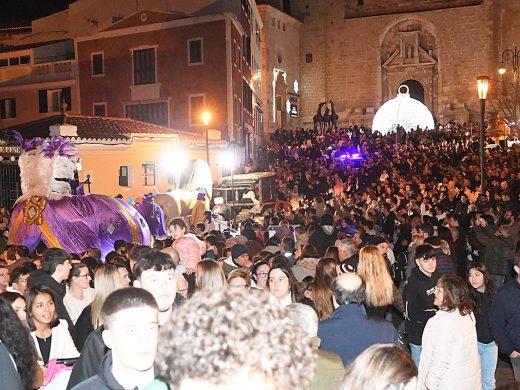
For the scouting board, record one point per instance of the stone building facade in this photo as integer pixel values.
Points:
(358, 52)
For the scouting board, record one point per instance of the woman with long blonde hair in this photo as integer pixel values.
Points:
(381, 291)
(107, 280)
(209, 275)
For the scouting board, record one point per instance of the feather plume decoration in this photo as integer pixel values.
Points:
(61, 145)
(28, 145)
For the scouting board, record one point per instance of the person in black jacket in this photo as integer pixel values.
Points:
(325, 236)
(418, 295)
(53, 274)
(130, 318)
(504, 320)
(482, 291)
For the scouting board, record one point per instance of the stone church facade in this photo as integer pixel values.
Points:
(358, 52)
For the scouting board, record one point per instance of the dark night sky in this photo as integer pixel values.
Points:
(22, 10)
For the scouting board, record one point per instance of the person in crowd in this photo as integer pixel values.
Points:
(155, 272)
(197, 211)
(239, 278)
(497, 247)
(107, 279)
(4, 278)
(209, 275)
(18, 366)
(18, 279)
(325, 236)
(504, 320)
(189, 247)
(260, 333)
(18, 304)
(259, 272)
(321, 287)
(50, 334)
(445, 263)
(449, 356)
(482, 291)
(418, 295)
(131, 332)
(79, 294)
(123, 267)
(287, 248)
(329, 367)
(349, 296)
(239, 259)
(282, 285)
(182, 287)
(380, 289)
(53, 274)
(332, 252)
(306, 264)
(381, 367)
(348, 253)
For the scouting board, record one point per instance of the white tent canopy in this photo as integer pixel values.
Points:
(403, 111)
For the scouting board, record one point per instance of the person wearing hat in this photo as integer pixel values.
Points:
(384, 249)
(325, 236)
(197, 212)
(239, 259)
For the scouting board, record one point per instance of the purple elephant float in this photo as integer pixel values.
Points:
(48, 212)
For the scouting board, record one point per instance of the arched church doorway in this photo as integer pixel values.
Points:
(416, 89)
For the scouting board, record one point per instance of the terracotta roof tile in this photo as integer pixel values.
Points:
(101, 128)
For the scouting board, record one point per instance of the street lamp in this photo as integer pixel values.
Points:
(482, 87)
(514, 57)
(206, 117)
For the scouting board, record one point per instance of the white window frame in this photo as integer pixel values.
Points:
(99, 104)
(155, 47)
(92, 63)
(49, 100)
(203, 95)
(201, 39)
(154, 173)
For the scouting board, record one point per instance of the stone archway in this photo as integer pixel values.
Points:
(416, 89)
(409, 55)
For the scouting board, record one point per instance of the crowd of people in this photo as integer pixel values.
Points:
(383, 264)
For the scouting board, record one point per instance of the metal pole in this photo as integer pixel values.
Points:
(207, 145)
(482, 156)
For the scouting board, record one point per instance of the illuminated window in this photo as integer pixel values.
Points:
(149, 174)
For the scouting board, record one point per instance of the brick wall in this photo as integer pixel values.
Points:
(346, 55)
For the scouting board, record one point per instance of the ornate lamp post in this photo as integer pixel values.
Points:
(514, 57)
(482, 87)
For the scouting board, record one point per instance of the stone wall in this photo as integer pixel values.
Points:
(347, 56)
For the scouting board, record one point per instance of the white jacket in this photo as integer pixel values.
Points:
(62, 345)
(449, 357)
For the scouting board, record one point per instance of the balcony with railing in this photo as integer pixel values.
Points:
(45, 63)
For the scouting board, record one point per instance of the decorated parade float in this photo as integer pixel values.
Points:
(49, 209)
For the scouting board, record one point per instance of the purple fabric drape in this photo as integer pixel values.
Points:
(154, 216)
(83, 222)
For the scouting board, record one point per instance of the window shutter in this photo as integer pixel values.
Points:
(2, 109)
(123, 176)
(42, 100)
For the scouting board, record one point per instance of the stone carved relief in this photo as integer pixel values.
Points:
(409, 52)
